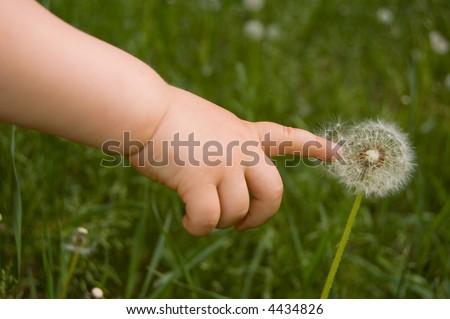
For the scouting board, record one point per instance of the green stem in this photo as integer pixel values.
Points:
(341, 247)
(73, 265)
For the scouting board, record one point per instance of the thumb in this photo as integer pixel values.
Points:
(279, 140)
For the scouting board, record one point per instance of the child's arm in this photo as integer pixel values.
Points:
(57, 79)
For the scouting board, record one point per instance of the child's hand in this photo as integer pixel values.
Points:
(239, 185)
(59, 80)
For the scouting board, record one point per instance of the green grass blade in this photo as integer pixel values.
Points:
(191, 262)
(138, 246)
(47, 261)
(256, 261)
(156, 258)
(16, 203)
(198, 290)
(32, 284)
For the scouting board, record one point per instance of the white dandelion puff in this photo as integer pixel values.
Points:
(254, 30)
(385, 16)
(80, 242)
(253, 5)
(438, 42)
(377, 158)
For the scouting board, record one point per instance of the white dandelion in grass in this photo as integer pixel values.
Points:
(438, 42)
(254, 30)
(376, 160)
(385, 16)
(79, 244)
(253, 5)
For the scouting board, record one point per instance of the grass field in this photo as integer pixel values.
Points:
(315, 61)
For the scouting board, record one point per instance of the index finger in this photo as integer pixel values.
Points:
(279, 140)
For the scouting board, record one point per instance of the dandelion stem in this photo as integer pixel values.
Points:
(72, 266)
(341, 247)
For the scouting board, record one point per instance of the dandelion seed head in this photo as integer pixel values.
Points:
(438, 42)
(253, 5)
(385, 16)
(80, 242)
(254, 30)
(377, 157)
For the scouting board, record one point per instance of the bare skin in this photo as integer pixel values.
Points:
(57, 79)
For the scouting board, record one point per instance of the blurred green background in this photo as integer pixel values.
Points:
(300, 63)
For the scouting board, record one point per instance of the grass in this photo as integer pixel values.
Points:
(16, 206)
(330, 59)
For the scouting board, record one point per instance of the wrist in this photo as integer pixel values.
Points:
(142, 119)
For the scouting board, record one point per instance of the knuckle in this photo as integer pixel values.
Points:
(288, 132)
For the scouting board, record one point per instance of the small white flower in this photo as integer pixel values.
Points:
(438, 42)
(254, 30)
(253, 5)
(377, 157)
(385, 16)
(97, 293)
